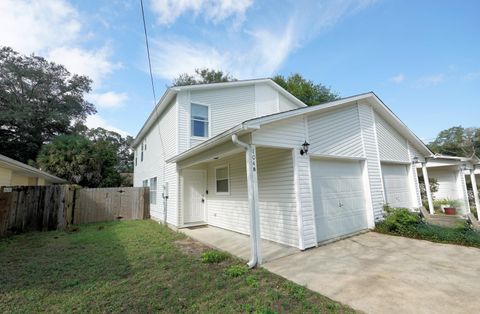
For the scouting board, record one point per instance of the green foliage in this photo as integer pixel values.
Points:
(236, 270)
(134, 267)
(38, 100)
(457, 141)
(214, 256)
(81, 161)
(306, 90)
(401, 222)
(202, 76)
(434, 185)
(252, 281)
(400, 219)
(437, 204)
(295, 291)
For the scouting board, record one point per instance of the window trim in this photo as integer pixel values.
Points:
(209, 121)
(228, 179)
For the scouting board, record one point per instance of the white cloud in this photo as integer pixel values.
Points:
(262, 45)
(399, 78)
(35, 26)
(168, 11)
(108, 99)
(472, 76)
(96, 121)
(430, 80)
(93, 63)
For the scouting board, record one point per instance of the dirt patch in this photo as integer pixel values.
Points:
(190, 246)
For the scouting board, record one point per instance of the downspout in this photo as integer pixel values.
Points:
(251, 160)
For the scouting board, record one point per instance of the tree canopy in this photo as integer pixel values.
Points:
(457, 141)
(38, 100)
(80, 160)
(306, 90)
(202, 76)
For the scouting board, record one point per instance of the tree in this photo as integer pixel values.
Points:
(457, 141)
(81, 161)
(306, 90)
(122, 146)
(203, 76)
(38, 101)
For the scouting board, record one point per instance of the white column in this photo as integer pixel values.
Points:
(475, 192)
(427, 188)
(252, 183)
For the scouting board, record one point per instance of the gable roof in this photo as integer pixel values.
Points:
(171, 92)
(256, 123)
(15, 165)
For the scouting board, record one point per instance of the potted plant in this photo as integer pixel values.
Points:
(449, 206)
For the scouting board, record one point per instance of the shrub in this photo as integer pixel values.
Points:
(400, 219)
(236, 270)
(214, 256)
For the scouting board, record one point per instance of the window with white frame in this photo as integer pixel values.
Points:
(222, 183)
(199, 115)
(153, 190)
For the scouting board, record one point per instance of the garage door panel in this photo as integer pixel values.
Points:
(339, 198)
(396, 185)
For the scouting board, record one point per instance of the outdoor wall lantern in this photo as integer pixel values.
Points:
(304, 149)
(415, 160)
(464, 167)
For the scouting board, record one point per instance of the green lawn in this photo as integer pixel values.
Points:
(137, 266)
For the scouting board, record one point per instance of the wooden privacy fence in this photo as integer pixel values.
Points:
(105, 204)
(41, 208)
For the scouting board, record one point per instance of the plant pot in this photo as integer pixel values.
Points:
(450, 211)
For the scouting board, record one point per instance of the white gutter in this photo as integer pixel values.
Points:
(251, 159)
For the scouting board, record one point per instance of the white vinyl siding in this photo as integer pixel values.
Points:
(266, 100)
(451, 184)
(397, 185)
(416, 195)
(336, 133)
(285, 104)
(367, 125)
(392, 146)
(162, 144)
(285, 133)
(277, 201)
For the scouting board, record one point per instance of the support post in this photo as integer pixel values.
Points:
(475, 192)
(427, 188)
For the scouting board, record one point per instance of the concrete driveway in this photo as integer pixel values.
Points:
(377, 273)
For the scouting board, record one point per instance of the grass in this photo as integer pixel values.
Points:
(138, 266)
(423, 231)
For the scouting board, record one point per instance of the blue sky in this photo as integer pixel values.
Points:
(422, 58)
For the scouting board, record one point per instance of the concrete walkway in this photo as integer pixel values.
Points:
(236, 243)
(377, 273)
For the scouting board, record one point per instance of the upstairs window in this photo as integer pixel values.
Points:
(199, 120)
(141, 153)
(221, 177)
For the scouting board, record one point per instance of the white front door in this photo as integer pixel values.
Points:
(194, 188)
(339, 198)
(396, 184)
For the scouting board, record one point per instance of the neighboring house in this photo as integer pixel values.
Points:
(192, 149)
(15, 173)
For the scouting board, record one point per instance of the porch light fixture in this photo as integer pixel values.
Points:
(463, 167)
(415, 160)
(304, 149)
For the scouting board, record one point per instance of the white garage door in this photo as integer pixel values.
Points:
(396, 185)
(339, 198)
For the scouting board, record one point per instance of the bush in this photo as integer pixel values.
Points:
(214, 256)
(236, 270)
(400, 219)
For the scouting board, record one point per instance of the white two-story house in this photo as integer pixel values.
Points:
(232, 154)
